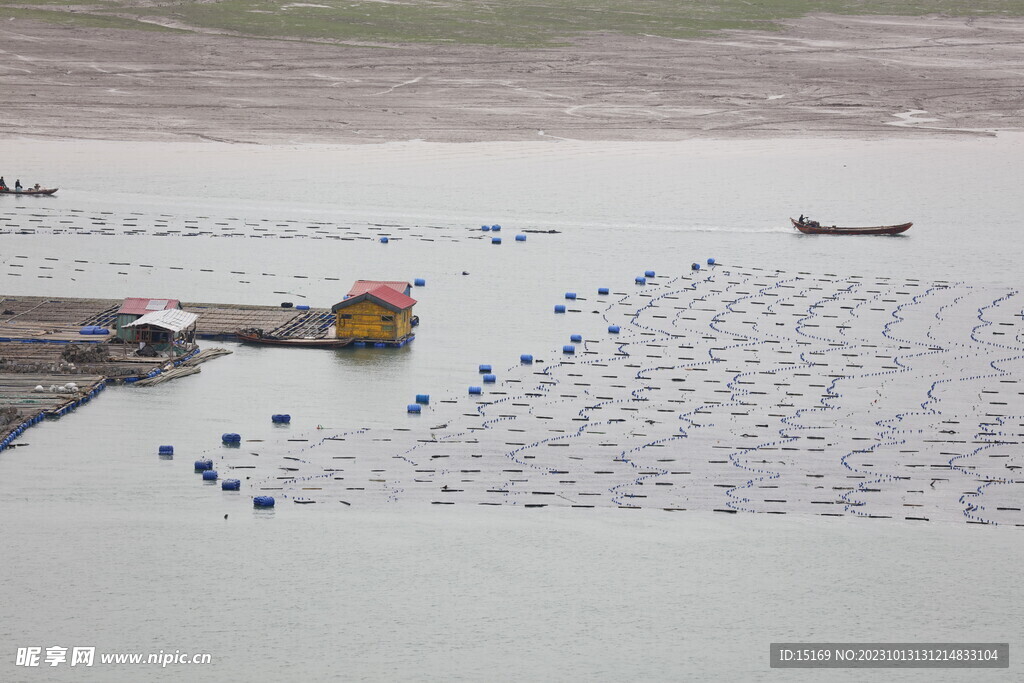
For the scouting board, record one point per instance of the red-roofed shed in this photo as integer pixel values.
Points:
(381, 313)
(134, 308)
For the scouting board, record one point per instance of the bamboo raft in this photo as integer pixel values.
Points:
(59, 319)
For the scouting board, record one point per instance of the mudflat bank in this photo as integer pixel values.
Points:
(855, 77)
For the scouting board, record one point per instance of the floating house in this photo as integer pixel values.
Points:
(375, 311)
(170, 332)
(134, 308)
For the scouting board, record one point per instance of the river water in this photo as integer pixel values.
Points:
(106, 545)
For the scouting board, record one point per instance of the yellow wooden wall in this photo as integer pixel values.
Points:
(366, 322)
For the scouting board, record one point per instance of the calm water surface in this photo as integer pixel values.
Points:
(104, 544)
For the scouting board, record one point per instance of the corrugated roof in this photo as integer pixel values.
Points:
(363, 286)
(172, 319)
(138, 306)
(382, 295)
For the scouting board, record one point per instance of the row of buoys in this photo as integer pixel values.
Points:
(17, 431)
(491, 228)
(281, 419)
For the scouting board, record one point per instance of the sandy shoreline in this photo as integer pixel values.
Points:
(850, 77)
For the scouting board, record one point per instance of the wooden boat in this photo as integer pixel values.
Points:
(814, 228)
(28, 191)
(257, 337)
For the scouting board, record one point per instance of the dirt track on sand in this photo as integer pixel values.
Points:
(821, 76)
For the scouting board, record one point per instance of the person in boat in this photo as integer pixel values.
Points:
(17, 185)
(37, 187)
(3, 185)
(801, 219)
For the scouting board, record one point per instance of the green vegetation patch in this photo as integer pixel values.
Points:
(507, 22)
(89, 19)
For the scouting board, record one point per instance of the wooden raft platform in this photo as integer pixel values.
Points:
(59, 319)
(40, 345)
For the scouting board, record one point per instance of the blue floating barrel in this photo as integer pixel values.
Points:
(602, 290)
(419, 282)
(286, 304)
(280, 419)
(711, 261)
(485, 228)
(484, 368)
(695, 266)
(230, 438)
(203, 465)
(495, 240)
(495, 228)
(490, 379)
(87, 329)
(641, 280)
(576, 337)
(570, 295)
(649, 273)
(379, 345)
(614, 329)
(263, 502)
(383, 240)
(423, 398)
(210, 475)
(520, 237)
(302, 307)
(100, 330)
(230, 485)
(525, 358)
(413, 408)
(569, 348)
(559, 308)
(475, 390)
(166, 450)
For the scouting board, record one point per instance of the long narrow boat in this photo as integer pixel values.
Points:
(814, 228)
(257, 337)
(28, 191)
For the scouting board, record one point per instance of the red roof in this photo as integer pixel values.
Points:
(383, 295)
(137, 306)
(363, 286)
